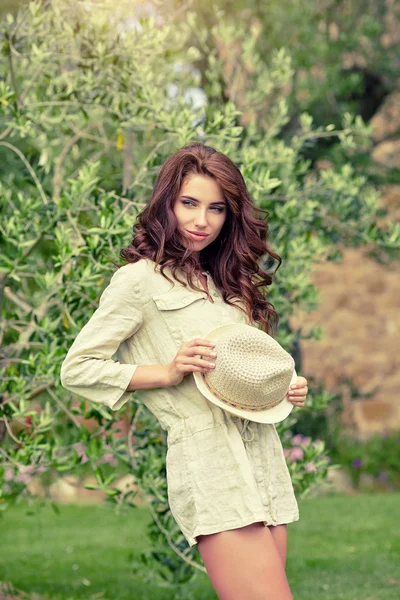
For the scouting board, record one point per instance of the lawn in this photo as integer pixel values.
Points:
(343, 547)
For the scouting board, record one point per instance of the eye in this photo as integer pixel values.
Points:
(219, 209)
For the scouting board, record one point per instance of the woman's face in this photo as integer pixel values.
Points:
(200, 208)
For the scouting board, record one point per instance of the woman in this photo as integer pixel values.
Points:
(193, 265)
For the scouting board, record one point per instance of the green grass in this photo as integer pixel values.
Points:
(343, 547)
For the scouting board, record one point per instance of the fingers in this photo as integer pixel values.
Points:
(203, 366)
(197, 348)
(200, 342)
(196, 355)
(296, 390)
(198, 351)
(297, 393)
(297, 402)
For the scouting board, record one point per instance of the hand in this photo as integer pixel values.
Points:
(188, 360)
(298, 392)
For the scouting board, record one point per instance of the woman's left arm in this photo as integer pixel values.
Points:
(298, 392)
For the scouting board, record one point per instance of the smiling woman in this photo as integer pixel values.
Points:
(229, 488)
(200, 211)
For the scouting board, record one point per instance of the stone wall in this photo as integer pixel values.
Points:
(360, 314)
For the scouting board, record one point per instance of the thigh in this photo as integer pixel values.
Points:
(279, 534)
(244, 563)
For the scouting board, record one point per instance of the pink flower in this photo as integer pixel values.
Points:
(25, 474)
(80, 449)
(296, 454)
(110, 459)
(26, 469)
(297, 439)
(310, 468)
(8, 474)
(286, 452)
(306, 441)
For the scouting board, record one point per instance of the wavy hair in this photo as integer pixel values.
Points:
(232, 258)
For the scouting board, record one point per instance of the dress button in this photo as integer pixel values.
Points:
(184, 301)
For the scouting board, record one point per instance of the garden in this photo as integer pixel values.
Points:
(93, 98)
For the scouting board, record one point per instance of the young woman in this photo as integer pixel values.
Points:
(193, 265)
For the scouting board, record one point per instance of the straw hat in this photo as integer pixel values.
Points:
(252, 374)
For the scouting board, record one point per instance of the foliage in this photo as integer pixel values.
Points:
(343, 55)
(92, 103)
(344, 52)
(377, 457)
(371, 461)
(307, 461)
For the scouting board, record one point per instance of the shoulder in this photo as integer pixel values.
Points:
(131, 269)
(139, 279)
(126, 280)
(145, 279)
(133, 273)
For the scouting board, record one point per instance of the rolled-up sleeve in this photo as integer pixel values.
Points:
(88, 369)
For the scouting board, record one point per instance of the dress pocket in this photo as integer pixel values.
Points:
(181, 309)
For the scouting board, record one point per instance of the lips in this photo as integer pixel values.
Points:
(198, 234)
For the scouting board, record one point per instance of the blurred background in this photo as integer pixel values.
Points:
(305, 97)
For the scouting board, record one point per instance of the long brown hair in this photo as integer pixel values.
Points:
(232, 257)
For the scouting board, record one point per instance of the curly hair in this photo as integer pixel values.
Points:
(232, 258)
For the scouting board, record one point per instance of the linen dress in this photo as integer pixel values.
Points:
(223, 472)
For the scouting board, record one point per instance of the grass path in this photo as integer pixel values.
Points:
(342, 548)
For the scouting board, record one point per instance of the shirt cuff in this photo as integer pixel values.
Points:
(121, 396)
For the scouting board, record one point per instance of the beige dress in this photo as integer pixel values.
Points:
(223, 472)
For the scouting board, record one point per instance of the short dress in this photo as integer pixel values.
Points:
(223, 472)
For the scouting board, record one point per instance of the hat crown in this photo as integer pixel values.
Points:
(252, 371)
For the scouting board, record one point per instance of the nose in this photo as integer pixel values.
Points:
(200, 219)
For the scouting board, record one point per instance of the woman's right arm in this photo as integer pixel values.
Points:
(88, 369)
(147, 377)
(187, 360)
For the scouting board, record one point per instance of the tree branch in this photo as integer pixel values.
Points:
(63, 407)
(170, 543)
(28, 166)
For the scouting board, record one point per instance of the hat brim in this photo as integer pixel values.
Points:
(273, 415)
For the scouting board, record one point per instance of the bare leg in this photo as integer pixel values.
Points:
(279, 534)
(244, 564)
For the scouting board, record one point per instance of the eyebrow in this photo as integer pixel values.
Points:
(211, 203)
